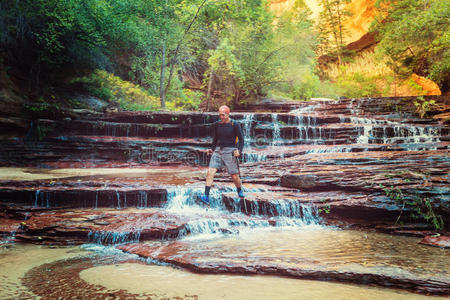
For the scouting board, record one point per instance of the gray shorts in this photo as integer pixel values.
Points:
(224, 157)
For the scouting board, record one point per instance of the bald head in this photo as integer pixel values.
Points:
(224, 114)
(224, 109)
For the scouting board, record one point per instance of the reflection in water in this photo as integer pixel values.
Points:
(323, 249)
(164, 282)
(17, 259)
(47, 269)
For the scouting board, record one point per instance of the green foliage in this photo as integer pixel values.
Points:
(52, 37)
(241, 61)
(113, 89)
(43, 131)
(418, 88)
(421, 207)
(357, 85)
(187, 100)
(326, 209)
(49, 35)
(331, 27)
(392, 193)
(415, 36)
(130, 96)
(257, 54)
(160, 43)
(38, 106)
(423, 107)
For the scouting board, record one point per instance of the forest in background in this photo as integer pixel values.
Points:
(197, 54)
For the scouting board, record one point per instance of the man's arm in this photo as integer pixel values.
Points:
(240, 145)
(214, 142)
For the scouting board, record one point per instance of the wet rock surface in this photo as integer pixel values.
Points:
(61, 279)
(250, 258)
(106, 226)
(350, 163)
(437, 241)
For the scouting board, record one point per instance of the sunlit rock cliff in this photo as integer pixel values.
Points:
(357, 24)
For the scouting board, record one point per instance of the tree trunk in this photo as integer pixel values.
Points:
(208, 94)
(341, 42)
(162, 92)
(237, 93)
(174, 59)
(334, 28)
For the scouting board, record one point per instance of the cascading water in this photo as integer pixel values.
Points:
(250, 142)
(111, 238)
(36, 198)
(217, 220)
(142, 199)
(118, 199)
(405, 134)
(276, 136)
(247, 129)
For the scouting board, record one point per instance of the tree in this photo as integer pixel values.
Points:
(257, 52)
(415, 35)
(331, 20)
(174, 59)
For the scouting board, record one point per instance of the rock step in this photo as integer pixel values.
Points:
(111, 226)
(82, 197)
(261, 130)
(335, 203)
(353, 207)
(213, 261)
(104, 149)
(106, 226)
(193, 119)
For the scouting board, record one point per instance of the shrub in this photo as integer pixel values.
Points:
(111, 88)
(357, 85)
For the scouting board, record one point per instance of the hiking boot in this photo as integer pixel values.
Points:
(241, 194)
(205, 199)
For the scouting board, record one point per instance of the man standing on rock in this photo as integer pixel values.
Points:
(227, 146)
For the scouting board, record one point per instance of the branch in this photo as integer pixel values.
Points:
(270, 55)
(173, 60)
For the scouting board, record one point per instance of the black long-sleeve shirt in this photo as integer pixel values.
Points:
(224, 135)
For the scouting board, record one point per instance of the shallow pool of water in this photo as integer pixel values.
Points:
(75, 272)
(17, 259)
(324, 249)
(165, 281)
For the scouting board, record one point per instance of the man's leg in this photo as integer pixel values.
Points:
(237, 183)
(210, 176)
(236, 180)
(209, 182)
(232, 165)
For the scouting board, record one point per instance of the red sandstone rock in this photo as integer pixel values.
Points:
(428, 85)
(437, 241)
(180, 254)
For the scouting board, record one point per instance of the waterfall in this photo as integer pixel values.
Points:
(301, 110)
(285, 212)
(276, 137)
(336, 149)
(184, 200)
(36, 198)
(401, 133)
(247, 129)
(249, 140)
(142, 200)
(110, 237)
(254, 157)
(42, 198)
(118, 199)
(217, 220)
